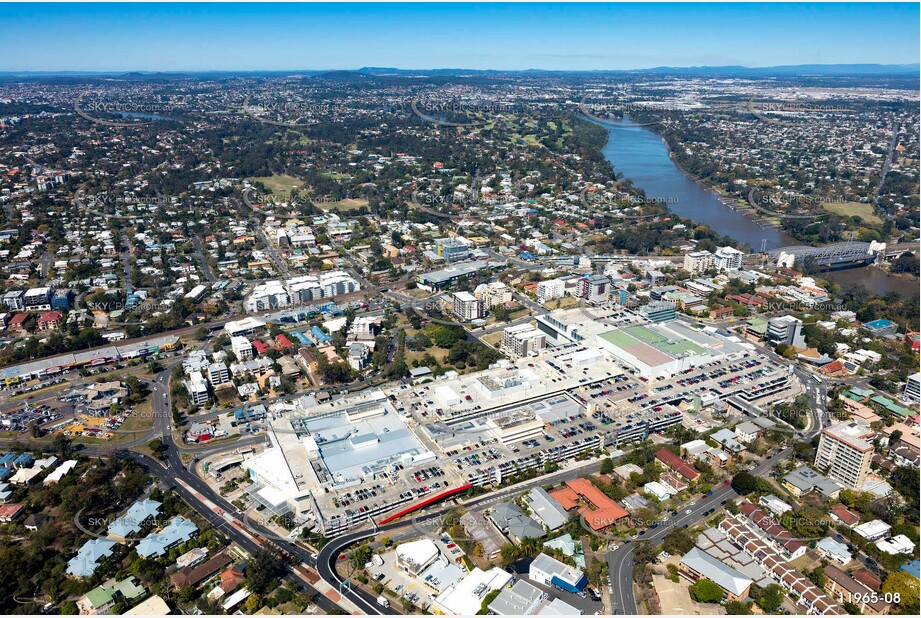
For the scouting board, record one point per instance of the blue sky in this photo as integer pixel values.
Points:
(151, 37)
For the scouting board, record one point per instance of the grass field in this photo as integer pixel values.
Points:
(849, 209)
(566, 302)
(280, 186)
(493, 339)
(345, 205)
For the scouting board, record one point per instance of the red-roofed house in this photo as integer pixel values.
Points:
(231, 579)
(841, 513)
(834, 368)
(567, 498)
(283, 342)
(9, 512)
(672, 461)
(261, 347)
(49, 320)
(18, 322)
(598, 509)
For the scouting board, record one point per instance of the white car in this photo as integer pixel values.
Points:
(687, 512)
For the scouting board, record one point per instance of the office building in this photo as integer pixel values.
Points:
(658, 311)
(452, 249)
(786, 329)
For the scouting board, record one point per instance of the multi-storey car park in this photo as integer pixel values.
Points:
(336, 465)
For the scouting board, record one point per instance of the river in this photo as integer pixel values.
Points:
(642, 156)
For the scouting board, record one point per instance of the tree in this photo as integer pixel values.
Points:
(737, 608)
(768, 599)
(158, 448)
(817, 576)
(744, 483)
(706, 591)
(360, 556)
(61, 445)
(607, 466)
(487, 599)
(253, 603)
(261, 571)
(906, 586)
(678, 541)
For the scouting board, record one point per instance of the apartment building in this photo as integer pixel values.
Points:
(550, 290)
(698, 262)
(37, 299)
(727, 258)
(522, 340)
(242, 348)
(197, 388)
(913, 388)
(468, 307)
(13, 300)
(594, 288)
(493, 294)
(218, 374)
(845, 452)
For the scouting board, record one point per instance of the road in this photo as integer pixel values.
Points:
(202, 260)
(620, 561)
(280, 263)
(887, 164)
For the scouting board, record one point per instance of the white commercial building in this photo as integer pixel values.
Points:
(465, 598)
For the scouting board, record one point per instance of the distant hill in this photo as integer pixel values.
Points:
(342, 76)
(793, 70)
(796, 70)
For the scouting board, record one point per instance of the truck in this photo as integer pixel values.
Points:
(382, 601)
